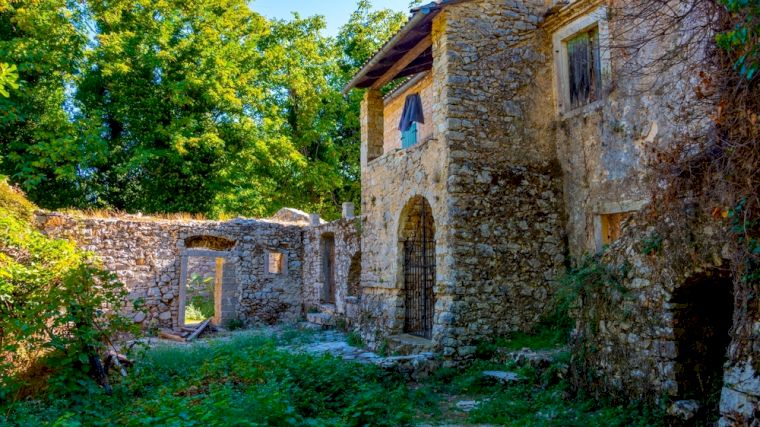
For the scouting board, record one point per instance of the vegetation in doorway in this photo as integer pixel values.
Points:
(200, 305)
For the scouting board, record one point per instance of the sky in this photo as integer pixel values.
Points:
(336, 12)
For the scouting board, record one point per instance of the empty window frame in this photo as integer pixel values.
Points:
(584, 68)
(612, 226)
(275, 262)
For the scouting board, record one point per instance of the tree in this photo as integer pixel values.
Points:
(40, 149)
(201, 106)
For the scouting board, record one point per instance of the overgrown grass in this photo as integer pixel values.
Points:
(250, 380)
(245, 380)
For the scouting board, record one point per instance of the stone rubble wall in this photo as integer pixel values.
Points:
(347, 250)
(629, 336)
(146, 255)
(505, 204)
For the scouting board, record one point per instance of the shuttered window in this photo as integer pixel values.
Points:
(584, 68)
(410, 117)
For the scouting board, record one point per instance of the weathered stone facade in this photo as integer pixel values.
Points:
(344, 273)
(522, 182)
(148, 257)
(490, 180)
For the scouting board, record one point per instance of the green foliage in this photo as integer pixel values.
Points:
(13, 201)
(8, 78)
(743, 41)
(241, 381)
(652, 244)
(355, 340)
(235, 324)
(201, 107)
(57, 307)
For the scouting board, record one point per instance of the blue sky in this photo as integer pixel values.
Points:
(336, 12)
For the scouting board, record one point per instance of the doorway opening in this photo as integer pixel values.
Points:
(702, 318)
(328, 268)
(417, 240)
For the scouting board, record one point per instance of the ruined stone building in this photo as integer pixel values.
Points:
(513, 141)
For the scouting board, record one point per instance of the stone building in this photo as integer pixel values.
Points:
(513, 140)
(501, 141)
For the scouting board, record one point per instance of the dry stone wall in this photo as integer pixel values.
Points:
(147, 256)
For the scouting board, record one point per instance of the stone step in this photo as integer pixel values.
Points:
(322, 319)
(406, 344)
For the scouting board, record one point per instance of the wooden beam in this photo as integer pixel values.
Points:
(405, 60)
(198, 331)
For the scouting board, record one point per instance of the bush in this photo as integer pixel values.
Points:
(57, 307)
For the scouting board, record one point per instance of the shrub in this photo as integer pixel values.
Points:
(57, 306)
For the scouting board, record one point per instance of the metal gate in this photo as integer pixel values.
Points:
(419, 275)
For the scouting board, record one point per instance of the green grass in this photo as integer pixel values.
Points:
(241, 381)
(248, 380)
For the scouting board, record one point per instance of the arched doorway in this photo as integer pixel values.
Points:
(417, 243)
(702, 316)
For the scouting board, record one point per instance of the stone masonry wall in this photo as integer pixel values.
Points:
(147, 255)
(603, 147)
(505, 205)
(347, 253)
(630, 333)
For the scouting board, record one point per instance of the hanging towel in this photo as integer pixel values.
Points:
(412, 112)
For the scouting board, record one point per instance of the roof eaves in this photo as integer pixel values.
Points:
(417, 15)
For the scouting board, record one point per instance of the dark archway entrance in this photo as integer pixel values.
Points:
(328, 268)
(702, 318)
(417, 238)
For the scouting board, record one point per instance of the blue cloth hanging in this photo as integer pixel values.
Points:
(412, 112)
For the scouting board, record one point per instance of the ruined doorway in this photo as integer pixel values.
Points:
(417, 238)
(328, 268)
(207, 280)
(702, 317)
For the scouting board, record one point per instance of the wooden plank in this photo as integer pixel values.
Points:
(405, 60)
(170, 336)
(198, 331)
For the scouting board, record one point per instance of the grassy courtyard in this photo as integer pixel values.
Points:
(250, 380)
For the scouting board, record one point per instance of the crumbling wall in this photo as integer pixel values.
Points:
(146, 255)
(631, 330)
(604, 147)
(347, 246)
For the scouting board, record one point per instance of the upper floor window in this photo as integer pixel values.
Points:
(582, 60)
(410, 117)
(584, 68)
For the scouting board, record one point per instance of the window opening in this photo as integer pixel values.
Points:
(584, 68)
(276, 263)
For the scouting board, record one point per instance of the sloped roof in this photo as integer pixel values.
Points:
(419, 26)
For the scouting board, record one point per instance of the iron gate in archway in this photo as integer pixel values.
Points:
(419, 272)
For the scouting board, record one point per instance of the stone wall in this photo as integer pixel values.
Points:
(148, 255)
(347, 260)
(394, 107)
(634, 337)
(505, 205)
(603, 147)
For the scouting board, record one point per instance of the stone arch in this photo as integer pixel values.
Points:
(416, 239)
(214, 243)
(354, 275)
(702, 309)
